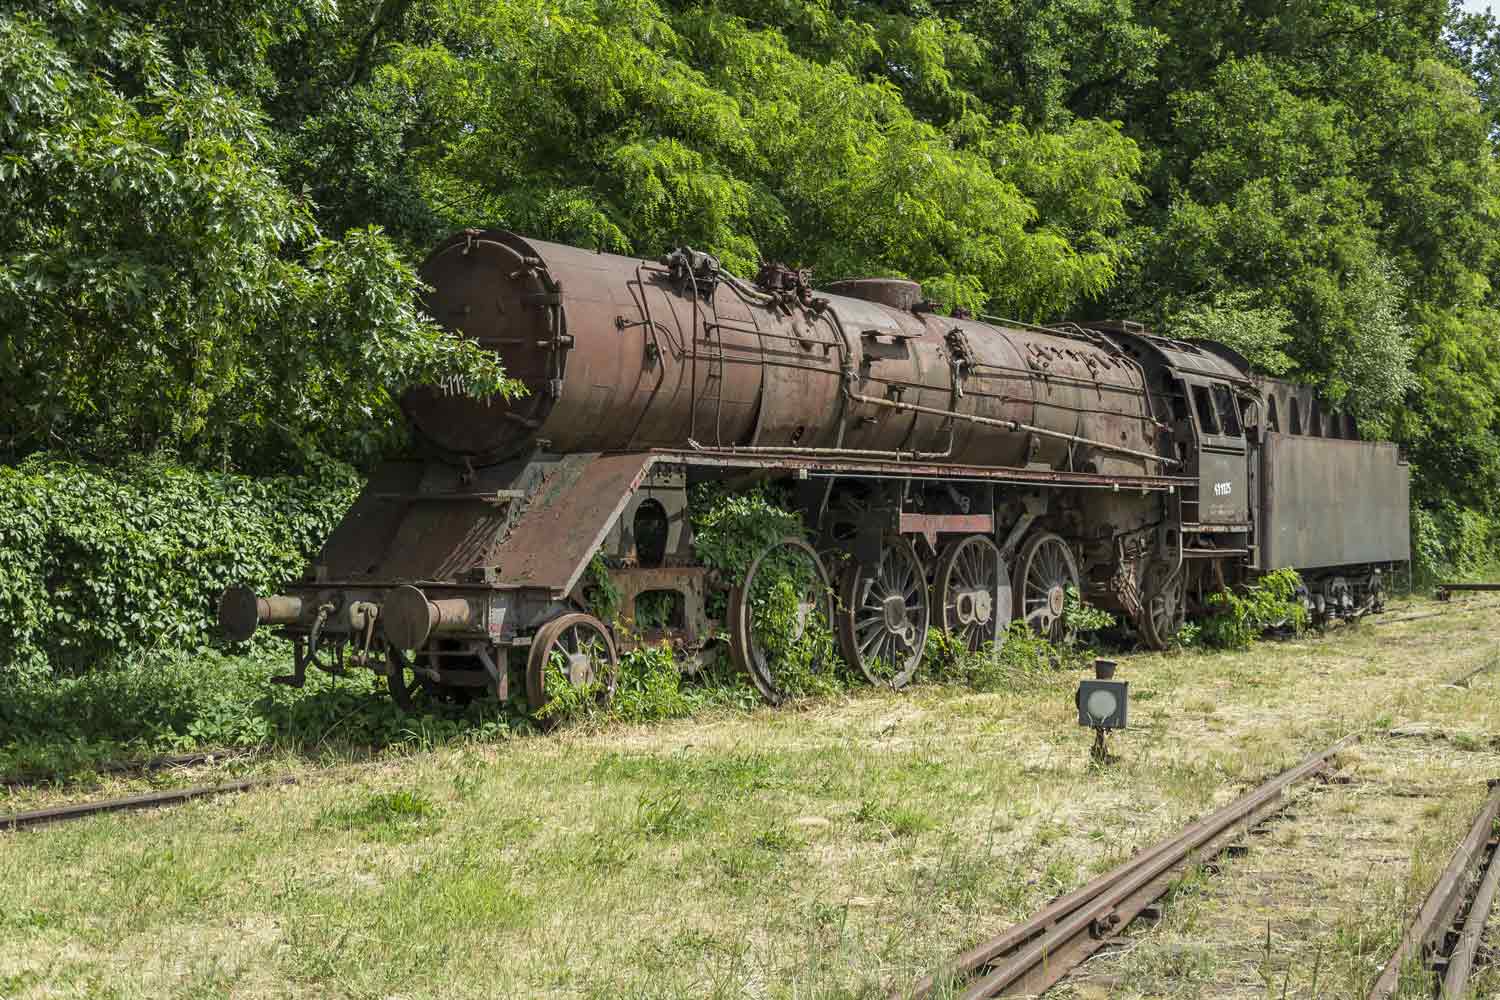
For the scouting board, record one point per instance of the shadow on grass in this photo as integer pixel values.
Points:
(57, 729)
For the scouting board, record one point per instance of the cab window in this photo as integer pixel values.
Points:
(1229, 414)
(1207, 422)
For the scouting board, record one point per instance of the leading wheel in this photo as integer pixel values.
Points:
(574, 648)
(1162, 607)
(883, 614)
(779, 618)
(1046, 569)
(972, 591)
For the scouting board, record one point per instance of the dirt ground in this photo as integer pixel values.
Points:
(837, 849)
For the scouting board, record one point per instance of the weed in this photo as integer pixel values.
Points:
(667, 815)
(886, 822)
(384, 816)
(1080, 617)
(1271, 602)
(1021, 660)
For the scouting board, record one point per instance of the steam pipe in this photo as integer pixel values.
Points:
(1013, 425)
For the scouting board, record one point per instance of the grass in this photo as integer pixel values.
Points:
(835, 848)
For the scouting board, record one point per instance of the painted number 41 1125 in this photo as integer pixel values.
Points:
(1223, 489)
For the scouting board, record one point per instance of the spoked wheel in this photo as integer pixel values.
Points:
(1046, 569)
(972, 589)
(883, 615)
(778, 617)
(575, 648)
(404, 682)
(1162, 607)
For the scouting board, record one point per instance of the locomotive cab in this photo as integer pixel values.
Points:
(1223, 467)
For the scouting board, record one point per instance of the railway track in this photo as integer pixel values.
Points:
(149, 800)
(1437, 945)
(1031, 957)
(25, 779)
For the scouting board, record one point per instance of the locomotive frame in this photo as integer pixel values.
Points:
(965, 474)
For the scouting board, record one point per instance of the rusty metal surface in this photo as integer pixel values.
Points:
(898, 293)
(1444, 591)
(891, 469)
(564, 522)
(929, 526)
(690, 582)
(1328, 502)
(620, 354)
(1425, 935)
(1029, 957)
(1466, 949)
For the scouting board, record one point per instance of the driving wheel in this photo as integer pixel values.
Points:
(776, 616)
(1162, 609)
(1046, 569)
(883, 614)
(972, 590)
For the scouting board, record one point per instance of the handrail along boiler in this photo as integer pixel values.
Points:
(999, 464)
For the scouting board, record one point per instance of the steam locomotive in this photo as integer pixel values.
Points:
(950, 472)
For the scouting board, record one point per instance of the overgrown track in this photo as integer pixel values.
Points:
(1434, 944)
(1029, 958)
(159, 763)
(151, 800)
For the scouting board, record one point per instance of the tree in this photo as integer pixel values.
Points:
(160, 286)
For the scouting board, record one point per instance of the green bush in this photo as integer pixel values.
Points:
(1452, 542)
(1271, 602)
(1021, 659)
(731, 529)
(100, 565)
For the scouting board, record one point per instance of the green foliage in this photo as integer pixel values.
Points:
(1451, 542)
(1260, 333)
(1188, 636)
(731, 529)
(1080, 617)
(162, 285)
(387, 816)
(603, 596)
(1271, 602)
(102, 566)
(210, 213)
(650, 686)
(207, 699)
(1020, 660)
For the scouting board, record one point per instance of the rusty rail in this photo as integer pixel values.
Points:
(1424, 943)
(151, 800)
(1031, 957)
(1447, 590)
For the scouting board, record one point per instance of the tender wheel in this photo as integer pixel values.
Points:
(1162, 604)
(397, 671)
(785, 592)
(579, 646)
(1046, 569)
(972, 590)
(883, 615)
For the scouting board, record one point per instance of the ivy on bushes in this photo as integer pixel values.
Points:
(100, 565)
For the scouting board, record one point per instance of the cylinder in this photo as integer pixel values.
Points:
(241, 612)
(409, 618)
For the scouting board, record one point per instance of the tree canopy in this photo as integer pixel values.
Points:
(212, 212)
